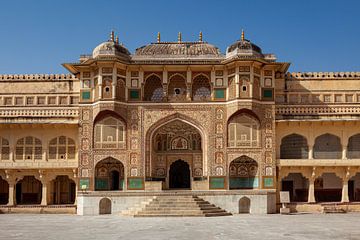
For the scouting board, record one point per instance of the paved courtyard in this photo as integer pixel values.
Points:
(306, 226)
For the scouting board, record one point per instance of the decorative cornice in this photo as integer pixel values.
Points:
(39, 77)
(322, 75)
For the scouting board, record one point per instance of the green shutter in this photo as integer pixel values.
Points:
(84, 184)
(243, 182)
(268, 182)
(85, 95)
(219, 93)
(217, 183)
(101, 184)
(134, 94)
(268, 93)
(135, 183)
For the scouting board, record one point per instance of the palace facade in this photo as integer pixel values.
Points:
(179, 118)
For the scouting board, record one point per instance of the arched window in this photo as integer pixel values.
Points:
(4, 149)
(353, 148)
(177, 88)
(232, 88)
(62, 148)
(243, 173)
(28, 148)
(201, 89)
(327, 146)
(153, 89)
(110, 133)
(107, 87)
(243, 131)
(120, 89)
(294, 146)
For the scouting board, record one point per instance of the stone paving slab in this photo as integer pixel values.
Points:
(267, 227)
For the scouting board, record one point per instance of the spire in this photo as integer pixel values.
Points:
(112, 36)
(200, 36)
(242, 35)
(117, 40)
(158, 37)
(179, 37)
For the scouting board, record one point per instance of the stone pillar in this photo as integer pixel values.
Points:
(344, 151)
(44, 192)
(11, 199)
(114, 83)
(345, 190)
(212, 83)
(100, 85)
(237, 80)
(188, 84)
(311, 195)
(311, 152)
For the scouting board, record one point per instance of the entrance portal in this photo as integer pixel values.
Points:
(109, 175)
(179, 175)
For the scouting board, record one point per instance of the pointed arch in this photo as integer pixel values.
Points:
(153, 88)
(201, 88)
(353, 148)
(243, 129)
(294, 146)
(28, 148)
(109, 131)
(177, 88)
(327, 146)
(109, 175)
(243, 173)
(4, 149)
(174, 117)
(62, 148)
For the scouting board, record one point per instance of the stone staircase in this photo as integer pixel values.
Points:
(175, 206)
(332, 208)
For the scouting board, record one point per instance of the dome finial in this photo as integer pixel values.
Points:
(112, 36)
(179, 37)
(158, 37)
(200, 36)
(242, 35)
(117, 40)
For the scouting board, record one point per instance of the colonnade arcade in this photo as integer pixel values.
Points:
(37, 188)
(320, 184)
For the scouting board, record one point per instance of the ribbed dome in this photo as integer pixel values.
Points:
(110, 48)
(179, 49)
(244, 47)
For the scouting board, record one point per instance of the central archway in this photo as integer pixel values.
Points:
(179, 175)
(109, 175)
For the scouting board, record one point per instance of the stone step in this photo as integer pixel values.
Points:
(179, 206)
(169, 215)
(333, 209)
(181, 212)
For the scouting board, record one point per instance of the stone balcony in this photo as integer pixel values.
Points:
(31, 164)
(318, 162)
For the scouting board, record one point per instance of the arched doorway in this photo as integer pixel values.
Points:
(4, 192)
(63, 190)
(179, 175)
(28, 191)
(297, 186)
(243, 173)
(244, 205)
(170, 141)
(109, 175)
(328, 188)
(105, 206)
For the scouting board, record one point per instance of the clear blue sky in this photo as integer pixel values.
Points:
(37, 36)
